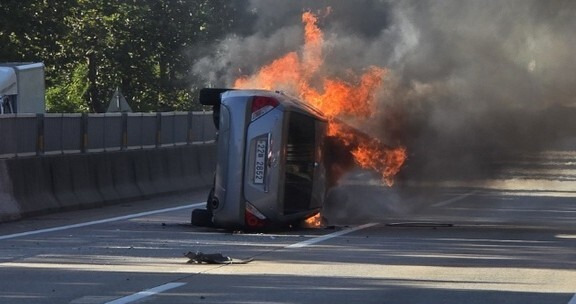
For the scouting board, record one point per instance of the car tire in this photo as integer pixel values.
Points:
(202, 218)
(209, 205)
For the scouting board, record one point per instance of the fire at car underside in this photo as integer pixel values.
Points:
(348, 148)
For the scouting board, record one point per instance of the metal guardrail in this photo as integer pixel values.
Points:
(39, 134)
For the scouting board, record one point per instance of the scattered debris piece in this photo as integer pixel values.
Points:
(213, 258)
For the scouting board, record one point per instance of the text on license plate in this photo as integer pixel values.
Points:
(260, 161)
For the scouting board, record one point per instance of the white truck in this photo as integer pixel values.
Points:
(22, 88)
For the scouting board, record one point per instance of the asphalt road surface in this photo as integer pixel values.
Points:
(505, 239)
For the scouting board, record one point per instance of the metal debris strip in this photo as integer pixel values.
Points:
(213, 258)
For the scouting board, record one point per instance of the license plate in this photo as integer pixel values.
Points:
(260, 161)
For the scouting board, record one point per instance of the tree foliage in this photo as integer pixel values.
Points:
(68, 97)
(90, 47)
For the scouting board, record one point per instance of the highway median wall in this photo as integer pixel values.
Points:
(48, 183)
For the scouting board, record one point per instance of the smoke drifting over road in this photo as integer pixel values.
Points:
(467, 80)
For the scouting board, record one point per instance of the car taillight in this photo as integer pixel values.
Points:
(254, 218)
(261, 105)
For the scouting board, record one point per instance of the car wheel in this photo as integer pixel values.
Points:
(209, 200)
(202, 218)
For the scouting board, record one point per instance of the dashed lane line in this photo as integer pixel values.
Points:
(329, 236)
(146, 293)
(454, 199)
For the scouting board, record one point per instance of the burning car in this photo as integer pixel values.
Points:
(270, 160)
(278, 155)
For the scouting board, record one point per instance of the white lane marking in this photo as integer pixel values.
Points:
(573, 300)
(329, 236)
(113, 219)
(146, 293)
(454, 199)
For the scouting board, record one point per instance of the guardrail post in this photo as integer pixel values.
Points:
(203, 126)
(124, 144)
(158, 130)
(174, 117)
(189, 134)
(40, 134)
(84, 132)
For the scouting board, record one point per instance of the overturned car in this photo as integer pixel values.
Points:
(270, 167)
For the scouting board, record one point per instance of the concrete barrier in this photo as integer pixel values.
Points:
(104, 176)
(124, 175)
(9, 208)
(191, 166)
(159, 175)
(143, 175)
(61, 180)
(84, 178)
(41, 184)
(174, 164)
(207, 162)
(32, 185)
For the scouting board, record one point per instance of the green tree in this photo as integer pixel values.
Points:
(68, 97)
(90, 47)
(140, 46)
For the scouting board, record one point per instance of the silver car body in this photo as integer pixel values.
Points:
(270, 168)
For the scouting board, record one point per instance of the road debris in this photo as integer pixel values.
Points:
(213, 258)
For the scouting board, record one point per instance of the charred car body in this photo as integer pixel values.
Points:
(270, 160)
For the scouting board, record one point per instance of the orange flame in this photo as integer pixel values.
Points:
(300, 74)
(388, 161)
(293, 72)
(314, 221)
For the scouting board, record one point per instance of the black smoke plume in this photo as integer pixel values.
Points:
(468, 81)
